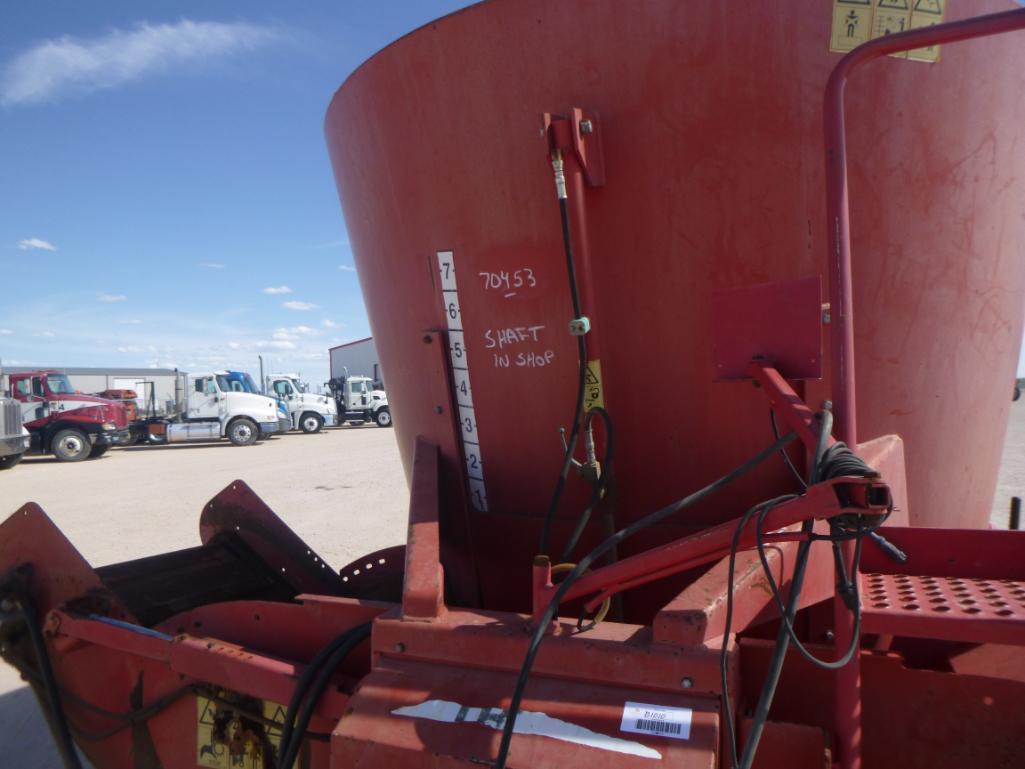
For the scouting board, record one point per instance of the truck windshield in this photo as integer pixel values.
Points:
(59, 384)
(250, 385)
(224, 384)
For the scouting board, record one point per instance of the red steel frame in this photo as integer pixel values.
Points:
(848, 706)
(408, 635)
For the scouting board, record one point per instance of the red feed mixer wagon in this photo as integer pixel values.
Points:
(701, 433)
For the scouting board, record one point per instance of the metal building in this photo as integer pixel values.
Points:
(159, 381)
(358, 358)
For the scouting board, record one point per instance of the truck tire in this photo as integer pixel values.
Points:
(6, 463)
(70, 445)
(243, 432)
(383, 417)
(311, 422)
(98, 451)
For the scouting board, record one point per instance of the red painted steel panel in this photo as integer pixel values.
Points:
(710, 121)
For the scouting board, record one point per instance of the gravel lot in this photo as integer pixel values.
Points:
(343, 491)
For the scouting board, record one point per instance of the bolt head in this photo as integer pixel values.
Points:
(586, 127)
(400, 647)
(687, 682)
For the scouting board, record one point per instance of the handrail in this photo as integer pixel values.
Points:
(847, 718)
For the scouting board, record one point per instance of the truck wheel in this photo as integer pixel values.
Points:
(310, 422)
(383, 417)
(243, 432)
(6, 463)
(98, 451)
(70, 445)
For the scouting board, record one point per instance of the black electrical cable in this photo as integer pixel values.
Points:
(779, 654)
(310, 687)
(585, 563)
(728, 623)
(783, 452)
(578, 411)
(827, 462)
(598, 488)
(58, 720)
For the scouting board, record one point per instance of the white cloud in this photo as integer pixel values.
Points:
(212, 265)
(30, 243)
(277, 290)
(47, 334)
(276, 344)
(295, 332)
(346, 268)
(102, 296)
(66, 65)
(6, 332)
(294, 305)
(328, 323)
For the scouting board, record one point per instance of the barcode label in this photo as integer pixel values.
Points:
(643, 725)
(660, 720)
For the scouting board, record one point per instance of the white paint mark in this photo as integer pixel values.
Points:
(527, 722)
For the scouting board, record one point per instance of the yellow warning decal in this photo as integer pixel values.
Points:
(858, 21)
(228, 737)
(593, 394)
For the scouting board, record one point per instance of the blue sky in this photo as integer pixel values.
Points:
(165, 193)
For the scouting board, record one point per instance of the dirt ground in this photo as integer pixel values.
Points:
(343, 491)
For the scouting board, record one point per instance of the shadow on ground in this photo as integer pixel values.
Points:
(25, 740)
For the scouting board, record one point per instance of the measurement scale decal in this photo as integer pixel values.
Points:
(460, 367)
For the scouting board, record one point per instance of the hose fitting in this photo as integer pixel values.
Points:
(560, 175)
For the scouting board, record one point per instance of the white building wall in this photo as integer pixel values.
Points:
(360, 358)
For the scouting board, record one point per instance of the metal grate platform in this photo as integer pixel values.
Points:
(973, 610)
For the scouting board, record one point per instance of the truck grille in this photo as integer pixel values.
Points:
(11, 419)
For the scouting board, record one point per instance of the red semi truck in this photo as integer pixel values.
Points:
(69, 424)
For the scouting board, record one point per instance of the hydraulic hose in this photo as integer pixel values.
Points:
(310, 687)
(57, 721)
(584, 564)
(578, 411)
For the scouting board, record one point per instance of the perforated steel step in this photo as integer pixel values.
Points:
(974, 610)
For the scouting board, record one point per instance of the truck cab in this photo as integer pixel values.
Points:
(242, 381)
(360, 400)
(307, 412)
(60, 420)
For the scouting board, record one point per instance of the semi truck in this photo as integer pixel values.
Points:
(209, 407)
(307, 412)
(242, 381)
(359, 400)
(14, 438)
(71, 425)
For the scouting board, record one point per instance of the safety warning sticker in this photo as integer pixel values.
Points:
(593, 394)
(229, 737)
(659, 720)
(858, 21)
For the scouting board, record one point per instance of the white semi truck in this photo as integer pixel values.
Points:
(308, 412)
(208, 408)
(360, 401)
